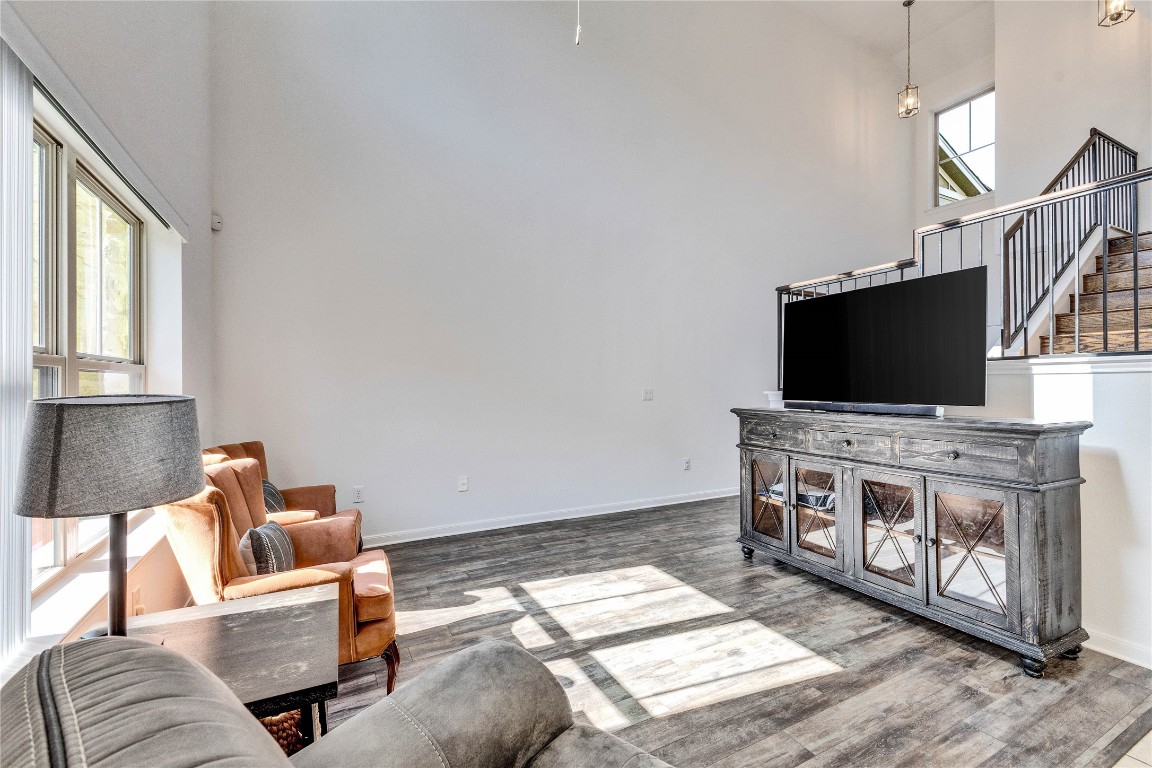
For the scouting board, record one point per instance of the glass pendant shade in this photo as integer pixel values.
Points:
(909, 103)
(1113, 12)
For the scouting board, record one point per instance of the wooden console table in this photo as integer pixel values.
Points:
(277, 652)
(973, 523)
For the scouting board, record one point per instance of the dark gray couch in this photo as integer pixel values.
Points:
(125, 703)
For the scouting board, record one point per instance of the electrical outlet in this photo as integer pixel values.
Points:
(687, 464)
(462, 483)
(649, 394)
(357, 494)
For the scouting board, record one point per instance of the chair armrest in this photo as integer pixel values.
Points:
(327, 540)
(321, 498)
(493, 704)
(293, 516)
(265, 584)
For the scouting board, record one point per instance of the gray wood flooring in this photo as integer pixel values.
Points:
(662, 633)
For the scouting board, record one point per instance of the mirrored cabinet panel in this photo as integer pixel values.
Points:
(888, 514)
(815, 495)
(769, 499)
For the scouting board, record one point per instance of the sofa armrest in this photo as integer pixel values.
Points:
(293, 516)
(327, 540)
(493, 705)
(321, 498)
(267, 583)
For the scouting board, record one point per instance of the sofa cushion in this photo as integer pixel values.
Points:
(123, 703)
(271, 549)
(372, 586)
(583, 746)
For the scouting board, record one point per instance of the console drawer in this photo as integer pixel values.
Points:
(853, 445)
(775, 435)
(998, 460)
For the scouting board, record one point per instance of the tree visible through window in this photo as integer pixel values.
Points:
(966, 149)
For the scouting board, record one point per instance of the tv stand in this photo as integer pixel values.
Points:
(891, 409)
(973, 523)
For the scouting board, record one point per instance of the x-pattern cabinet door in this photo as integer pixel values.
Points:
(817, 513)
(888, 521)
(973, 538)
(767, 517)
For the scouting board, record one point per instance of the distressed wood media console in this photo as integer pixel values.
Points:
(973, 523)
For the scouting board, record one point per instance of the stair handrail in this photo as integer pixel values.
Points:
(804, 289)
(1026, 253)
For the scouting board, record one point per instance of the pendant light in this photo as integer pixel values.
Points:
(1113, 12)
(909, 103)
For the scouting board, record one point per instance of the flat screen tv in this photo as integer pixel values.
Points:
(920, 341)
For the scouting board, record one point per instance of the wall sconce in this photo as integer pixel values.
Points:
(1113, 12)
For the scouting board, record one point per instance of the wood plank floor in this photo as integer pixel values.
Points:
(662, 633)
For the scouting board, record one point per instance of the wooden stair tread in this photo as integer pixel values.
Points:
(1118, 341)
(1118, 280)
(1093, 320)
(1117, 299)
(1123, 244)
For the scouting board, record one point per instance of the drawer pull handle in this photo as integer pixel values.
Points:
(953, 455)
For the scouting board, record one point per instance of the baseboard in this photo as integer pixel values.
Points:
(435, 532)
(1120, 649)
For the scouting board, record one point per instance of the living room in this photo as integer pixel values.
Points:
(480, 277)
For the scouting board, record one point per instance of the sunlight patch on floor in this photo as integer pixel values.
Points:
(585, 696)
(694, 669)
(623, 600)
(530, 634)
(488, 601)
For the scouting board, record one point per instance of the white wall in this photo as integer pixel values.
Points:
(456, 244)
(1058, 75)
(1115, 394)
(143, 68)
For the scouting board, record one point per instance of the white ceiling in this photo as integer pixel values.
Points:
(881, 24)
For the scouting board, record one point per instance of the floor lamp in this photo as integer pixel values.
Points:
(108, 455)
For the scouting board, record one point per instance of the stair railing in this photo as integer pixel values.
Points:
(1032, 248)
(976, 239)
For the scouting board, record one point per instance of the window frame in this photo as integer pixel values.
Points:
(58, 292)
(936, 147)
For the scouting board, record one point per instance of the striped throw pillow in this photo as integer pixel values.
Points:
(273, 499)
(272, 549)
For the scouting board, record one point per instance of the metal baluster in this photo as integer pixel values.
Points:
(1134, 228)
(1051, 287)
(1026, 302)
(1104, 286)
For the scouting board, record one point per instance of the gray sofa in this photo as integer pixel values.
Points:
(119, 702)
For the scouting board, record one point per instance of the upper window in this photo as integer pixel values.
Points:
(966, 149)
(86, 309)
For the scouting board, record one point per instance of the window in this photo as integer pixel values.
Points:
(966, 149)
(86, 310)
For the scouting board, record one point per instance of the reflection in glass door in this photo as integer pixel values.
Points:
(815, 502)
(769, 519)
(889, 525)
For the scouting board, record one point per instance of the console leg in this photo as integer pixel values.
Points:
(748, 552)
(1033, 667)
(1072, 653)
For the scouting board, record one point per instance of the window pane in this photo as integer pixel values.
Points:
(89, 531)
(43, 547)
(109, 383)
(39, 243)
(984, 120)
(104, 292)
(45, 381)
(954, 130)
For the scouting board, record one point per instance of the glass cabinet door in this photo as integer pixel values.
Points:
(889, 519)
(815, 500)
(769, 504)
(972, 537)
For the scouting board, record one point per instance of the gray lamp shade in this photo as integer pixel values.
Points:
(99, 455)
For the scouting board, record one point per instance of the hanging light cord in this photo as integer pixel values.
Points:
(907, 5)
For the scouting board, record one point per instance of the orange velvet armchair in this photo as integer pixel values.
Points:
(320, 498)
(205, 532)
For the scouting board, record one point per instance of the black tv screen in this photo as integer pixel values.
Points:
(920, 341)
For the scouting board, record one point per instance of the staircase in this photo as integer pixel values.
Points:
(1121, 301)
